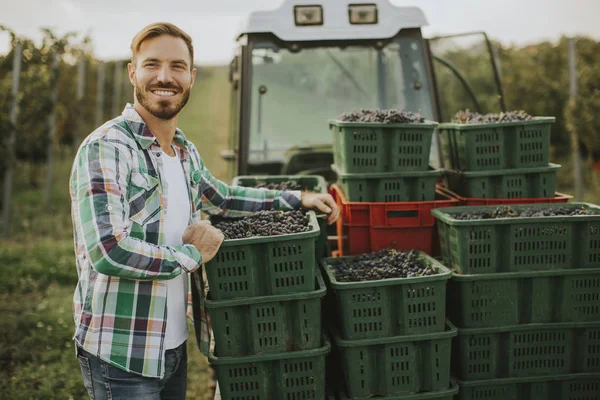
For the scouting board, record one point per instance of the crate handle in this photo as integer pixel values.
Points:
(402, 214)
(391, 216)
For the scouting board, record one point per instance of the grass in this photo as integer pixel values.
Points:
(205, 119)
(38, 275)
(565, 179)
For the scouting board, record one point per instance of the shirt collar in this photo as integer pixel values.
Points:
(141, 132)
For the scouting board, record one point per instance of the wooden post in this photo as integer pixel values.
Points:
(52, 127)
(14, 110)
(79, 117)
(573, 89)
(118, 75)
(100, 94)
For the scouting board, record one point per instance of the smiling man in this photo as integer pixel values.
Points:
(137, 188)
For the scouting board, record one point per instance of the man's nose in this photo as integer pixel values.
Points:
(164, 74)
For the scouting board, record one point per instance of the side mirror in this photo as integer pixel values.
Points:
(229, 155)
(232, 69)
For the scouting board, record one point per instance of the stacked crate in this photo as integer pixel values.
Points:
(385, 188)
(525, 296)
(265, 308)
(507, 160)
(390, 337)
(525, 292)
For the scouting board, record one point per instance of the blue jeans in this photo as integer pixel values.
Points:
(106, 382)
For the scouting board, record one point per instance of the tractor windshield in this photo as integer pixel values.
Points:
(293, 94)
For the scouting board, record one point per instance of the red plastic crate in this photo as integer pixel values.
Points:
(367, 227)
(471, 201)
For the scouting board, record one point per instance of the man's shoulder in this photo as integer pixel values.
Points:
(114, 131)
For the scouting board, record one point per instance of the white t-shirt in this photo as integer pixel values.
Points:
(176, 220)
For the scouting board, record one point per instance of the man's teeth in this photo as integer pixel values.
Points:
(163, 93)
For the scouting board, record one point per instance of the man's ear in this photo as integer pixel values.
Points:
(193, 77)
(131, 73)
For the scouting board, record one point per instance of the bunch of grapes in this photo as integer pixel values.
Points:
(264, 223)
(508, 212)
(468, 117)
(393, 116)
(287, 185)
(383, 264)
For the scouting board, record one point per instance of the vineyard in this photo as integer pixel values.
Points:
(64, 92)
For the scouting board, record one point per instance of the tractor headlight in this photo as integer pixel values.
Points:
(361, 14)
(308, 15)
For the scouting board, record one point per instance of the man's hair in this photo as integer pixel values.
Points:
(159, 29)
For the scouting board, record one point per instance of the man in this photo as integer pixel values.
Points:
(137, 188)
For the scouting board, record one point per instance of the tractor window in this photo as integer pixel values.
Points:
(294, 94)
(465, 74)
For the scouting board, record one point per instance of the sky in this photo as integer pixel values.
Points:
(213, 24)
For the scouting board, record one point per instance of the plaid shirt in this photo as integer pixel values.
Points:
(118, 207)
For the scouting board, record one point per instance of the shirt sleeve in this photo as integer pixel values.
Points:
(99, 185)
(216, 197)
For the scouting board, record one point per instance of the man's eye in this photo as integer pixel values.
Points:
(179, 67)
(151, 64)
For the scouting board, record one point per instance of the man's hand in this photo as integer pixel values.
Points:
(205, 237)
(321, 202)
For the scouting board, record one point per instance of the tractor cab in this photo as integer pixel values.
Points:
(304, 63)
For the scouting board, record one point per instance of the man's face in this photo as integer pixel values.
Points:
(161, 76)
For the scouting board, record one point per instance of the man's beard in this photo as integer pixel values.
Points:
(165, 109)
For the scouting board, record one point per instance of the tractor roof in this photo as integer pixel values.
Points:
(336, 25)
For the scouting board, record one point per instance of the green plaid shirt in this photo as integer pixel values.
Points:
(118, 208)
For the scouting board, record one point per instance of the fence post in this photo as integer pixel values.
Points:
(100, 94)
(14, 110)
(77, 135)
(116, 102)
(573, 90)
(52, 127)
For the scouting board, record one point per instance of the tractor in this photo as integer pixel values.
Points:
(299, 65)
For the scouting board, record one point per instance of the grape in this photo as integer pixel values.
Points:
(383, 264)
(264, 223)
(393, 116)
(508, 212)
(468, 117)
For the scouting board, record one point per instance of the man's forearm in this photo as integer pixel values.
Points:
(216, 197)
(133, 258)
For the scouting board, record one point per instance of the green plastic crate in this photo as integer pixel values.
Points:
(314, 183)
(527, 350)
(390, 307)
(511, 298)
(267, 324)
(371, 147)
(446, 394)
(388, 187)
(396, 365)
(524, 183)
(558, 387)
(261, 266)
(501, 145)
(519, 244)
(289, 375)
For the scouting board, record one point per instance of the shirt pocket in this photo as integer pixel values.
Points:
(195, 184)
(144, 197)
